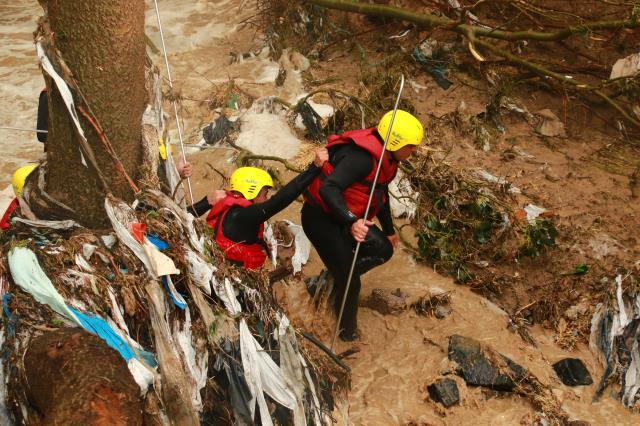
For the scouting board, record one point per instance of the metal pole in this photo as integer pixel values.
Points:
(23, 130)
(366, 212)
(173, 101)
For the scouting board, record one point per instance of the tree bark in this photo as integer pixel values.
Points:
(73, 377)
(102, 43)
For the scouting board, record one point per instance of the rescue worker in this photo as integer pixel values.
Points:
(335, 202)
(237, 215)
(17, 182)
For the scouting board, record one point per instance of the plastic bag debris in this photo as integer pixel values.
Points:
(51, 224)
(196, 364)
(533, 212)
(200, 270)
(176, 297)
(28, 274)
(122, 217)
(485, 175)
(107, 332)
(161, 264)
(176, 380)
(218, 130)
(311, 121)
(5, 417)
(614, 338)
(404, 198)
(427, 55)
(83, 264)
(262, 376)
(301, 243)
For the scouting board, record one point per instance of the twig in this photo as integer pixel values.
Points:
(325, 349)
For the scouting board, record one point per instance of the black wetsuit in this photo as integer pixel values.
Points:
(331, 233)
(241, 224)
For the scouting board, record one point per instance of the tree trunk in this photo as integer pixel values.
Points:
(103, 45)
(73, 377)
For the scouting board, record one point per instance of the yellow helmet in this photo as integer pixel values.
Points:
(249, 181)
(407, 130)
(20, 177)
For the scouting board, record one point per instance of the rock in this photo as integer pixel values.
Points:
(444, 391)
(217, 130)
(626, 67)
(579, 423)
(442, 312)
(573, 372)
(480, 366)
(386, 301)
(575, 311)
(550, 125)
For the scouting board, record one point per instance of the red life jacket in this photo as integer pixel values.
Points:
(251, 256)
(357, 195)
(4, 223)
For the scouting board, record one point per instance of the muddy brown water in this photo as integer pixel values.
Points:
(399, 355)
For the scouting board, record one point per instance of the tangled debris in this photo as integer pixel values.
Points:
(615, 338)
(213, 337)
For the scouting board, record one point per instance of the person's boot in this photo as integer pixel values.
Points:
(349, 336)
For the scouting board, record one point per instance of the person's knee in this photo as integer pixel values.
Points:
(387, 250)
(378, 245)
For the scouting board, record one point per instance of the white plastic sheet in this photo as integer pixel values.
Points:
(200, 270)
(262, 376)
(403, 198)
(301, 243)
(196, 365)
(51, 224)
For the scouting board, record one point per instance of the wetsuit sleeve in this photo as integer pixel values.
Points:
(384, 216)
(353, 167)
(200, 208)
(260, 212)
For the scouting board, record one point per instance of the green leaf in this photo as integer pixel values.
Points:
(581, 269)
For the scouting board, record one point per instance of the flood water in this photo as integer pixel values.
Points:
(398, 355)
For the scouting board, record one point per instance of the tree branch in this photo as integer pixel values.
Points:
(431, 21)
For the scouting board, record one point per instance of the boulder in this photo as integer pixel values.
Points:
(572, 372)
(444, 391)
(481, 366)
(386, 301)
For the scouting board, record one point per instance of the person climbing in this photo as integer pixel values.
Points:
(335, 203)
(237, 215)
(17, 182)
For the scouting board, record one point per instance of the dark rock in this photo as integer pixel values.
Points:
(386, 301)
(444, 391)
(579, 423)
(217, 130)
(442, 312)
(482, 366)
(572, 372)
